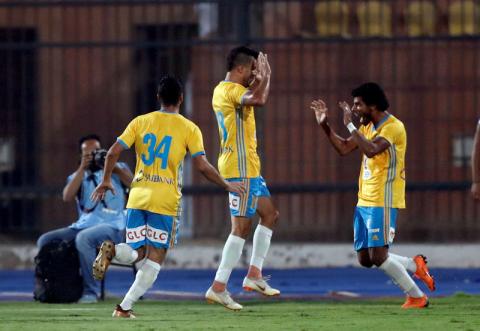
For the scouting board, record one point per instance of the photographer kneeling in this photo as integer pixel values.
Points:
(97, 222)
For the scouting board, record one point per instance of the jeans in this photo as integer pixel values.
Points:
(86, 240)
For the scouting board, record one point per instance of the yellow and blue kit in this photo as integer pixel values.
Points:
(238, 159)
(381, 185)
(161, 141)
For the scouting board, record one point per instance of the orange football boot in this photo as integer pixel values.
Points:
(121, 313)
(415, 302)
(422, 272)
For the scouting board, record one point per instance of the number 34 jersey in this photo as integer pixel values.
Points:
(161, 142)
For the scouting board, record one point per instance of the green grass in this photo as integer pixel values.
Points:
(459, 312)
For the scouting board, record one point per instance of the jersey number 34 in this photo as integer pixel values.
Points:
(161, 150)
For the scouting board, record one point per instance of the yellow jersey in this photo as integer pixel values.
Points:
(161, 142)
(238, 156)
(382, 177)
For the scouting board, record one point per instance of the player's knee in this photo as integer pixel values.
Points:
(276, 216)
(141, 253)
(378, 260)
(365, 262)
(241, 228)
(271, 220)
(242, 232)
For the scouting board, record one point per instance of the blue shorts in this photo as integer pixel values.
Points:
(147, 228)
(245, 205)
(373, 227)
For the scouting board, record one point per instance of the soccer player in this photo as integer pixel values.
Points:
(476, 164)
(382, 139)
(246, 85)
(162, 139)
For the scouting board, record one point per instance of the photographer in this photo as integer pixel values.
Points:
(98, 221)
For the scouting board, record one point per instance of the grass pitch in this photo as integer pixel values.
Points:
(459, 312)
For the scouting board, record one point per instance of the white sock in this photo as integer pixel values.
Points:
(140, 263)
(261, 244)
(399, 275)
(407, 262)
(124, 254)
(230, 256)
(143, 281)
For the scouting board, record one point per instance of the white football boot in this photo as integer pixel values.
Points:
(222, 298)
(260, 285)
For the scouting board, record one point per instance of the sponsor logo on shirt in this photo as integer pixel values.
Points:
(226, 149)
(153, 178)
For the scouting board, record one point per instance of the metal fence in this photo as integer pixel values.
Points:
(68, 68)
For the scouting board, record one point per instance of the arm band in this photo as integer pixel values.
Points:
(351, 127)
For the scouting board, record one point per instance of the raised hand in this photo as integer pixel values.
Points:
(347, 112)
(320, 109)
(268, 70)
(86, 160)
(260, 71)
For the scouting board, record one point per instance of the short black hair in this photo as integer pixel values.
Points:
(373, 95)
(240, 56)
(91, 136)
(169, 90)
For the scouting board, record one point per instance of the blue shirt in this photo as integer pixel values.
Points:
(111, 212)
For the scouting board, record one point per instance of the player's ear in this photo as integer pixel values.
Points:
(239, 69)
(180, 101)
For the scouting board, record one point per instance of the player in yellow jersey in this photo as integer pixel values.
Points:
(382, 139)
(246, 85)
(161, 138)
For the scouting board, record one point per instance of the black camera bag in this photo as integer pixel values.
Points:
(57, 273)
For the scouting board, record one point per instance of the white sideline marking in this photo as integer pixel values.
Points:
(52, 308)
(176, 293)
(17, 294)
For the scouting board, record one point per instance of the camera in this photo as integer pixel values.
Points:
(98, 159)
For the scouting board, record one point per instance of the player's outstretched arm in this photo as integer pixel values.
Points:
(208, 170)
(124, 174)
(476, 164)
(342, 146)
(110, 163)
(368, 147)
(257, 95)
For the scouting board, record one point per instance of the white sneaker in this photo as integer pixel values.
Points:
(259, 285)
(222, 298)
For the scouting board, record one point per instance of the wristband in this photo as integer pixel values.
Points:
(351, 127)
